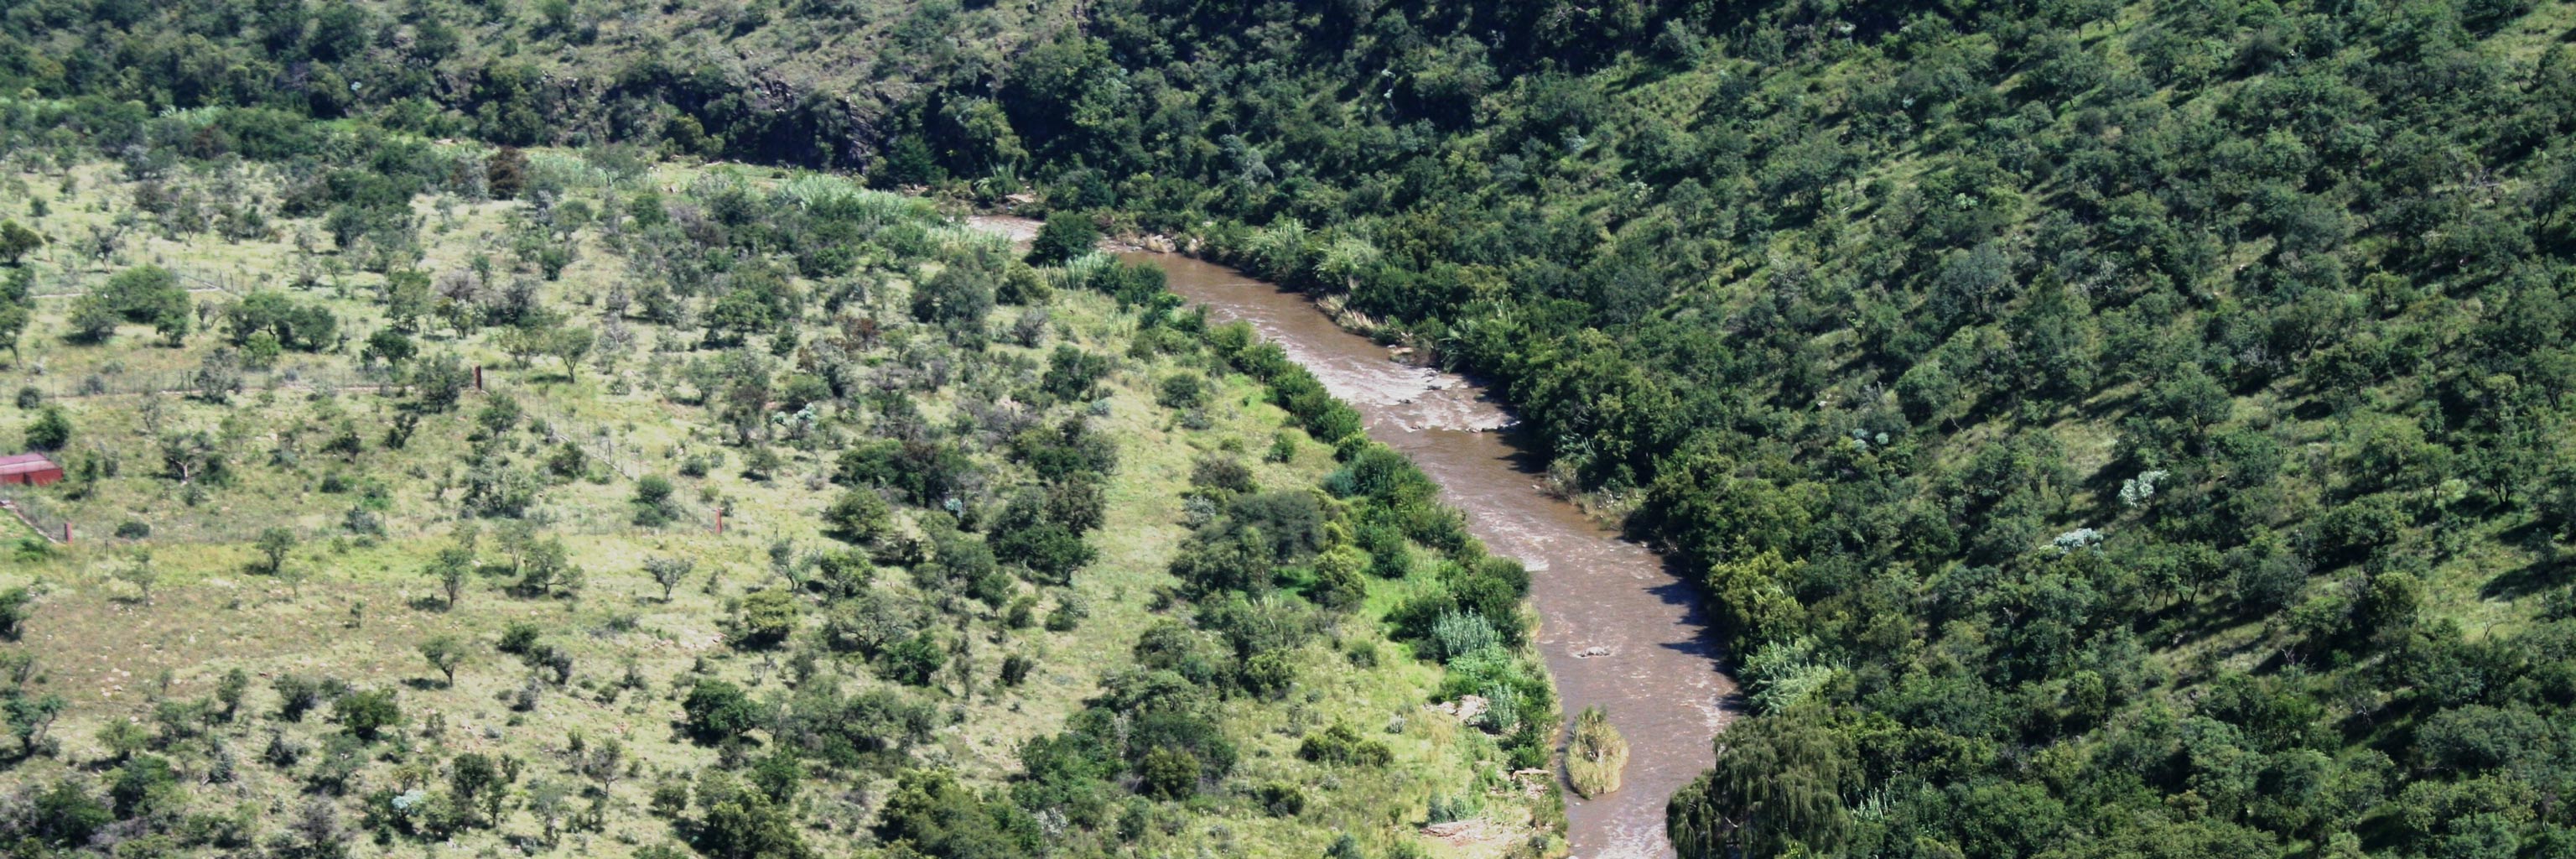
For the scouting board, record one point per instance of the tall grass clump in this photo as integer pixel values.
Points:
(1596, 754)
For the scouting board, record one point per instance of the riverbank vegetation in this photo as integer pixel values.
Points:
(448, 496)
(2127, 428)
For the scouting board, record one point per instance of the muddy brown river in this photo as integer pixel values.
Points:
(1617, 628)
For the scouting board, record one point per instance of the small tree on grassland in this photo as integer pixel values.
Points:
(669, 572)
(445, 653)
(273, 545)
(367, 714)
(452, 565)
(141, 574)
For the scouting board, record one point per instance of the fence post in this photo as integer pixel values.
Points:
(719, 524)
(478, 377)
(67, 533)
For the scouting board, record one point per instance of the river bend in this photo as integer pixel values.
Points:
(1617, 628)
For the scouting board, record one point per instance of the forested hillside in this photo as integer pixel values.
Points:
(2105, 428)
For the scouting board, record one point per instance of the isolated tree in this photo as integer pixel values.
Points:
(549, 800)
(570, 345)
(408, 297)
(218, 376)
(445, 653)
(140, 573)
(230, 691)
(1072, 374)
(294, 575)
(668, 572)
(273, 545)
(751, 825)
(547, 568)
(149, 295)
(30, 716)
(452, 566)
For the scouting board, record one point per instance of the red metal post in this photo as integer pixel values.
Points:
(719, 522)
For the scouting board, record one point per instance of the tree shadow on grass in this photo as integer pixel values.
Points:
(2527, 579)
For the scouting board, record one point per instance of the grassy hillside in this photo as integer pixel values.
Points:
(957, 604)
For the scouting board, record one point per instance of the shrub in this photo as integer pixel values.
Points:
(1181, 391)
(957, 298)
(914, 660)
(653, 501)
(50, 431)
(365, 715)
(296, 696)
(766, 618)
(1342, 744)
(858, 516)
(519, 638)
(67, 815)
(1281, 799)
(1169, 773)
(141, 784)
(1066, 235)
(716, 711)
(1066, 616)
(301, 325)
(1458, 633)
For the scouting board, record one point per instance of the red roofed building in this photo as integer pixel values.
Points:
(32, 469)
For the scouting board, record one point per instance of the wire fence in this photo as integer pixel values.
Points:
(37, 512)
(74, 282)
(196, 515)
(298, 378)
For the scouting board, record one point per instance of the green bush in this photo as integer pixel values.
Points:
(366, 715)
(1066, 235)
(716, 711)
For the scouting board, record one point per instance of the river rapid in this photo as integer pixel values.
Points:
(1618, 629)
